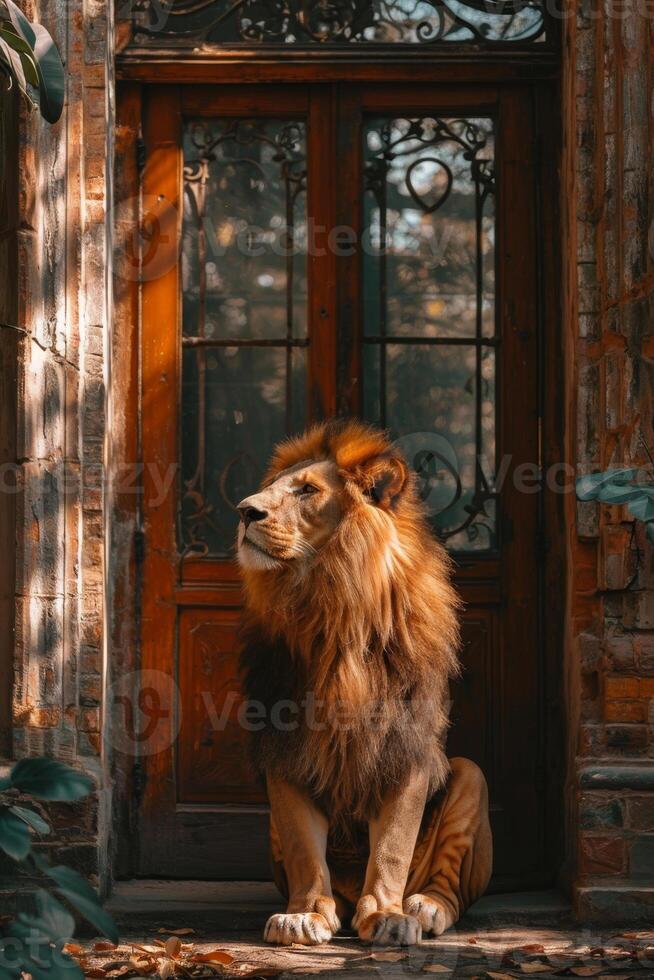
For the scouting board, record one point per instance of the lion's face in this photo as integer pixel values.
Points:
(292, 518)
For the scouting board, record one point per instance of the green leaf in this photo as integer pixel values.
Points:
(55, 920)
(40, 939)
(649, 530)
(52, 86)
(36, 822)
(15, 837)
(31, 71)
(80, 894)
(642, 507)
(9, 957)
(588, 486)
(20, 22)
(48, 779)
(40, 955)
(14, 39)
(612, 493)
(39, 59)
(12, 58)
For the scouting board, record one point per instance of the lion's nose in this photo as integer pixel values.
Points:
(251, 514)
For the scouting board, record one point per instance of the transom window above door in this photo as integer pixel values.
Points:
(353, 23)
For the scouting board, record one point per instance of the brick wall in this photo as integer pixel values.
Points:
(63, 311)
(610, 340)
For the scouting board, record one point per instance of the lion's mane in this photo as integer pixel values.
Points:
(366, 636)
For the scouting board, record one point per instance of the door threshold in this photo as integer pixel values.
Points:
(243, 906)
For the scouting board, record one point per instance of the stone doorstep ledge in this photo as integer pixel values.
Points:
(625, 904)
(243, 906)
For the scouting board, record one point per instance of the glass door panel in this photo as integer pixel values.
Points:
(429, 315)
(244, 315)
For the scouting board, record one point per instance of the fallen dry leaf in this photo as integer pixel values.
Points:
(388, 957)
(173, 947)
(532, 948)
(537, 966)
(213, 956)
(436, 968)
(166, 969)
(586, 971)
(103, 946)
(74, 949)
(95, 972)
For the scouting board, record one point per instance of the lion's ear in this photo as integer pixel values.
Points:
(383, 479)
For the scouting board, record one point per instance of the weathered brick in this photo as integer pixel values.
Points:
(602, 855)
(639, 610)
(592, 740)
(644, 649)
(590, 651)
(620, 649)
(641, 856)
(598, 812)
(627, 740)
(625, 711)
(640, 812)
(40, 519)
(617, 564)
(622, 687)
(90, 689)
(88, 720)
(613, 371)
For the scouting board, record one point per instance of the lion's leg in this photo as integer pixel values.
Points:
(393, 833)
(299, 833)
(452, 865)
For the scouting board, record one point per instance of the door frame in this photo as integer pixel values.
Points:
(130, 301)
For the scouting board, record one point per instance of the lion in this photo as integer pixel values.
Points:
(350, 637)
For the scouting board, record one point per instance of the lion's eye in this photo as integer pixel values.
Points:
(306, 490)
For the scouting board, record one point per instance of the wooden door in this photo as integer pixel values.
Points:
(364, 249)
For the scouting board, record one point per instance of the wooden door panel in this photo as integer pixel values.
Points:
(474, 692)
(212, 760)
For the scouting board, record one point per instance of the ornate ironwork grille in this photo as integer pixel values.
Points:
(429, 311)
(244, 304)
(339, 22)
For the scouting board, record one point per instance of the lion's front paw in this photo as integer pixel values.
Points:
(307, 928)
(388, 928)
(432, 915)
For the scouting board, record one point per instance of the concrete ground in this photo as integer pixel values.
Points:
(219, 929)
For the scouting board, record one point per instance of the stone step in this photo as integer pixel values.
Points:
(243, 906)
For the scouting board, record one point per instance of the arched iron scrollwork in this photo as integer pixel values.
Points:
(477, 521)
(338, 22)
